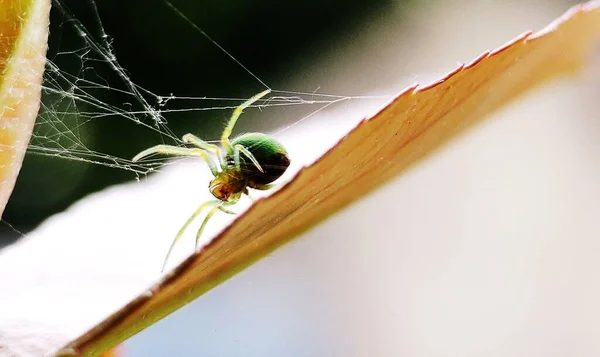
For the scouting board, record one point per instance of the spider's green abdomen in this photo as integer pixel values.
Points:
(269, 153)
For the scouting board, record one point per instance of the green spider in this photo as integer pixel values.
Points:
(252, 160)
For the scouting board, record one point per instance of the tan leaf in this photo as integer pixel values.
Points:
(23, 43)
(413, 125)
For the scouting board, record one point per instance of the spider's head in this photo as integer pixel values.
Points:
(223, 189)
(220, 190)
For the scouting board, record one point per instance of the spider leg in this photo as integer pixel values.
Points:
(264, 187)
(250, 197)
(209, 215)
(247, 193)
(237, 149)
(177, 151)
(234, 117)
(226, 210)
(187, 223)
(194, 140)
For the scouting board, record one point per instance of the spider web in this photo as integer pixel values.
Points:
(97, 113)
(72, 100)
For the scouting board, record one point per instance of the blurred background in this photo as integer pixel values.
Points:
(508, 267)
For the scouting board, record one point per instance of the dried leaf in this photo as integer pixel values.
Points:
(413, 125)
(23, 43)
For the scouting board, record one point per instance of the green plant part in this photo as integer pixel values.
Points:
(252, 160)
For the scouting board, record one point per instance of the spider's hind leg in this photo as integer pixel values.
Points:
(265, 187)
(247, 193)
(241, 149)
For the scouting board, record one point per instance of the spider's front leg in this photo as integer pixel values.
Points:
(218, 205)
(194, 140)
(186, 224)
(234, 117)
(177, 151)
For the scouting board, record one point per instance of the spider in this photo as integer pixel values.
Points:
(251, 160)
